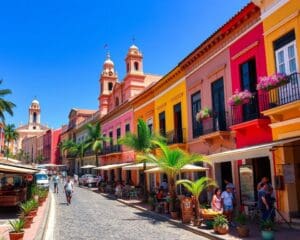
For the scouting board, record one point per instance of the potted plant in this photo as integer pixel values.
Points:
(267, 230)
(242, 228)
(240, 97)
(203, 114)
(17, 232)
(267, 83)
(34, 206)
(25, 213)
(196, 188)
(221, 225)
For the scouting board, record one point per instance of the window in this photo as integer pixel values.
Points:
(196, 106)
(127, 67)
(162, 123)
(34, 117)
(127, 128)
(150, 124)
(118, 133)
(136, 66)
(110, 86)
(285, 53)
(117, 101)
(248, 81)
(111, 138)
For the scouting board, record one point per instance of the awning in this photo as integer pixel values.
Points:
(88, 166)
(112, 166)
(261, 150)
(186, 168)
(139, 166)
(16, 169)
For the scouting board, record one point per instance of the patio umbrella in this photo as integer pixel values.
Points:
(139, 166)
(88, 166)
(186, 168)
(112, 166)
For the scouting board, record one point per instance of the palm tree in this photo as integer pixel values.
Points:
(5, 106)
(196, 188)
(10, 134)
(95, 139)
(142, 143)
(67, 148)
(170, 161)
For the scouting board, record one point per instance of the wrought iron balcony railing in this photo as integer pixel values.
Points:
(176, 136)
(282, 95)
(112, 149)
(219, 122)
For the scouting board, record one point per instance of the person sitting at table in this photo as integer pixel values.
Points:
(164, 185)
(160, 195)
(216, 203)
(118, 190)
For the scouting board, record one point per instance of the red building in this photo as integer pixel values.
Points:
(51, 152)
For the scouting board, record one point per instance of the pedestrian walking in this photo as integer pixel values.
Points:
(55, 180)
(69, 189)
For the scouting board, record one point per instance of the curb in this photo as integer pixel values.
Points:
(42, 228)
(172, 221)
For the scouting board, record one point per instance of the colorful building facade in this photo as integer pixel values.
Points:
(282, 42)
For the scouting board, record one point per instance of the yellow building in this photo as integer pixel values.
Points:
(281, 22)
(170, 108)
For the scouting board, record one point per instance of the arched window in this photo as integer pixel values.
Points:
(34, 117)
(136, 66)
(117, 101)
(110, 86)
(127, 67)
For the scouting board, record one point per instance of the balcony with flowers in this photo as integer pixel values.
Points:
(214, 124)
(280, 95)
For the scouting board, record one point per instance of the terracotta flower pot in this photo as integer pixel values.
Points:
(33, 213)
(16, 236)
(223, 229)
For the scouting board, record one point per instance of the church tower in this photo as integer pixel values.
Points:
(34, 115)
(134, 61)
(107, 80)
(134, 81)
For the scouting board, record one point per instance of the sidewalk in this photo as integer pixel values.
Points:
(37, 227)
(281, 232)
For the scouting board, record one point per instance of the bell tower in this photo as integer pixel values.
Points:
(34, 115)
(134, 61)
(107, 80)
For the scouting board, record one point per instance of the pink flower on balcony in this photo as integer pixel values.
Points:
(267, 83)
(240, 97)
(203, 114)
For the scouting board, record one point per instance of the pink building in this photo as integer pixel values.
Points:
(116, 111)
(51, 152)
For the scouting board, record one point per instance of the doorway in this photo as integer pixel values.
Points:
(218, 102)
(178, 137)
(226, 173)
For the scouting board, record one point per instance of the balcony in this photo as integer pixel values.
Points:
(247, 112)
(176, 136)
(215, 127)
(112, 149)
(282, 95)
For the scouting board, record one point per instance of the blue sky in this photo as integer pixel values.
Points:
(55, 49)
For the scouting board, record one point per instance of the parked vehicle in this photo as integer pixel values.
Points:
(42, 180)
(88, 180)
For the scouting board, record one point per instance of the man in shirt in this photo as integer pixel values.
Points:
(55, 182)
(262, 201)
(227, 203)
(69, 190)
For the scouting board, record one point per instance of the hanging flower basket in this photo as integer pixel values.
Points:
(204, 113)
(268, 83)
(239, 98)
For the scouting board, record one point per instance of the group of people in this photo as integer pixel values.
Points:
(266, 199)
(68, 186)
(223, 202)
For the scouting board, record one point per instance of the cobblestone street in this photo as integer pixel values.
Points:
(92, 216)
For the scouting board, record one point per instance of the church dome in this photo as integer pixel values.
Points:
(108, 61)
(133, 47)
(35, 102)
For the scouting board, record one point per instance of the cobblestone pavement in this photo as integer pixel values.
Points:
(92, 216)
